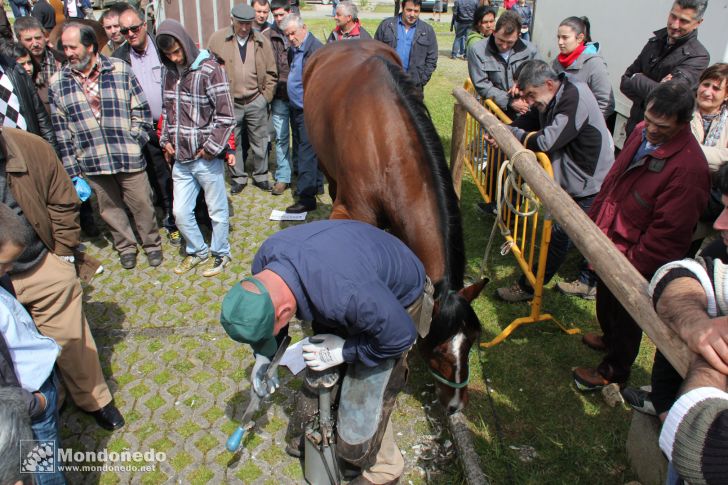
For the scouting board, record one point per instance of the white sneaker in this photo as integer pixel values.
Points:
(216, 265)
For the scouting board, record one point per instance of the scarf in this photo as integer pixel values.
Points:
(568, 59)
(716, 128)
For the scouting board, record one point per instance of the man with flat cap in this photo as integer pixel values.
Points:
(251, 67)
(356, 284)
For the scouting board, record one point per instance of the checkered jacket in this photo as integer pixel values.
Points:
(113, 144)
(51, 65)
(197, 109)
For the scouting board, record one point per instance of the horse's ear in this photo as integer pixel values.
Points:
(471, 292)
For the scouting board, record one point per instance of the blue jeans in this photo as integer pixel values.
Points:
(280, 116)
(188, 179)
(309, 176)
(45, 428)
(461, 34)
(558, 248)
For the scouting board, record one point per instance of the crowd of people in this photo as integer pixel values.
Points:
(655, 200)
(152, 119)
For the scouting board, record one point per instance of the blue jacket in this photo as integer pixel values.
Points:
(309, 46)
(351, 279)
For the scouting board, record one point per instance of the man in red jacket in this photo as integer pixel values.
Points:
(648, 206)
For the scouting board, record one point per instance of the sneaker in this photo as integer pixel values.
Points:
(188, 263)
(577, 288)
(514, 294)
(174, 238)
(216, 265)
(639, 399)
(589, 379)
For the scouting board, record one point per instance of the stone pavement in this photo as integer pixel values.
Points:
(182, 384)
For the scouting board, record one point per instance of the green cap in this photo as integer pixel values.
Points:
(248, 317)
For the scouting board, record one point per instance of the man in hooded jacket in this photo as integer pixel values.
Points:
(197, 110)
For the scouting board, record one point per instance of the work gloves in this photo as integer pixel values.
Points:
(324, 351)
(261, 385)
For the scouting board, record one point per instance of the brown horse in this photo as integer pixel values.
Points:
(385, 164)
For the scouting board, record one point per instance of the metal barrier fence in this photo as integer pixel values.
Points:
(527, 231)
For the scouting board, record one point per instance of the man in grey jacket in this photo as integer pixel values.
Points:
(493, 62)
(575, 136)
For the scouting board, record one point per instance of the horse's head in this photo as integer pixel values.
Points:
(455, 328)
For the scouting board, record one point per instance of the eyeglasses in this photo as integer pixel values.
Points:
(134, 29)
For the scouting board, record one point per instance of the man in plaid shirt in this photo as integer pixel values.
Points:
(101, 120)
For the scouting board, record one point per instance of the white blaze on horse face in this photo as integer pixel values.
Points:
(456, 344)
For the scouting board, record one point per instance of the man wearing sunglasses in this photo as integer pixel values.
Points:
(141, 53)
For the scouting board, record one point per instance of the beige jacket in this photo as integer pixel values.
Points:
(224, 44)
(46, 194)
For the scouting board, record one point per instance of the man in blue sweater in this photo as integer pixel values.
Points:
(356, 284)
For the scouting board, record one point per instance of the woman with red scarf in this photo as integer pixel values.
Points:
(579, 58)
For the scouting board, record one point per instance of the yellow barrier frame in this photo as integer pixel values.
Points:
(521, 239)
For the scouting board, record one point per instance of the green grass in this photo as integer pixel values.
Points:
(577, 437)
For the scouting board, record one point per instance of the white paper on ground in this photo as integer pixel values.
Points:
(276, 215)
(293, 357)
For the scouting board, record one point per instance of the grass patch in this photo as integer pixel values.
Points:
(188, 429)
(249, 472)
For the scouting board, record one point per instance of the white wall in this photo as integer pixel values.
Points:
(622, 28)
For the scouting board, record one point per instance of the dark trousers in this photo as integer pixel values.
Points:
(558, 249)
(622, 336)
(160, 178)
(308, 171)
(666, 382)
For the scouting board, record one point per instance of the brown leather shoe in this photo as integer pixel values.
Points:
(279, 188)
(594, 341)
(589, 379)
(360, 480)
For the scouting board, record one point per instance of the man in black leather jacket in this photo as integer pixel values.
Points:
(31, 106)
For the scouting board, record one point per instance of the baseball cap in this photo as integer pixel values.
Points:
(248, 317)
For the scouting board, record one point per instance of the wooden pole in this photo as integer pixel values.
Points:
(466, 451)
(613, 268)
(457, 148)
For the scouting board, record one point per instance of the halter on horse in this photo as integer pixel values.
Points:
(385, 164)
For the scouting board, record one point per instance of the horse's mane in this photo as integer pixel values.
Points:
(450, 224)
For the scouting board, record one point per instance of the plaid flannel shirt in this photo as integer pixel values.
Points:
(197, 110)
(48, 68)
(112, 144)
